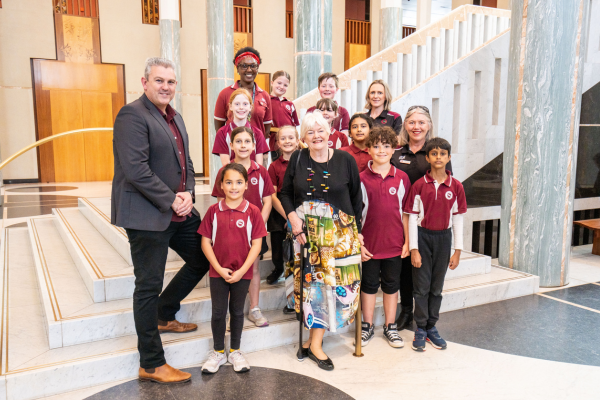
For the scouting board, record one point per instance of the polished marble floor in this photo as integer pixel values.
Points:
(542, 346)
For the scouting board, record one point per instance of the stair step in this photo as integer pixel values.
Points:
(32, 369)
(97, 211)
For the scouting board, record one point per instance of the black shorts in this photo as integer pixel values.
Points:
(386, 270)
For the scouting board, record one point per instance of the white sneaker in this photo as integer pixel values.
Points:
(256, 316)
(215, 360)
(237, 359)
(391, 334)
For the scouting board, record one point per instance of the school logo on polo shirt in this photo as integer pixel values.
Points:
(384, 121)
(330, 143)
(449, 195)
(254, 181)
(240, 223)
(288, 107)
(392, 191)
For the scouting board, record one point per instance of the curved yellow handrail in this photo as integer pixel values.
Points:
(48, 139)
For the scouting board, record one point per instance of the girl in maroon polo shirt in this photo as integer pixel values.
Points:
(360, 126)
(240, 106)
(259, 193)
(288, 142)
(232, 232)
(284, 112)
(329, 109)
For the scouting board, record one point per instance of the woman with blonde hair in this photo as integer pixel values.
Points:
(322, 199)
(378, 102)
(417, 129)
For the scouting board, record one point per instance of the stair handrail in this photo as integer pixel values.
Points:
(48, 139)
(419, 37)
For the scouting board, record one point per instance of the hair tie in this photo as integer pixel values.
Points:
(246, 54)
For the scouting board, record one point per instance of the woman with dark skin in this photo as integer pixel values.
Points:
(417, 129)
(247, 61)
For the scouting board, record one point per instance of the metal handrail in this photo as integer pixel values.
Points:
(49, 139)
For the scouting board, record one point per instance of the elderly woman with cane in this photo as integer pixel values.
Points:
(322, 198)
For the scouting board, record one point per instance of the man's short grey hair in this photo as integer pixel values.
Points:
(157, 62)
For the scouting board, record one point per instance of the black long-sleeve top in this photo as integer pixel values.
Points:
(344, 183)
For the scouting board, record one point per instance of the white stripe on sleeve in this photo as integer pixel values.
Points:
(214, 230)
(457, 231)
(413, 232)
(249, 231)
(365, 197)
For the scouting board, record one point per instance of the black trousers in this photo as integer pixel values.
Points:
(434, 247)
(149, 255)
(277, 238)
(221, 293)
(406, 283)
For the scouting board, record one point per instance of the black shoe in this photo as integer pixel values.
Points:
(288, 310)
(405, 318)
(274, 276)
(302, 353)
(327, 365)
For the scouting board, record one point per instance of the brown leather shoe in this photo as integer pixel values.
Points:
(165, 374)
(176, 327)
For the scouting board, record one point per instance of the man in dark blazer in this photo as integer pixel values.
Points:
(152, 198)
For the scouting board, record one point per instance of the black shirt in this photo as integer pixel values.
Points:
(415, 165)
(388, 118)
(344, 183)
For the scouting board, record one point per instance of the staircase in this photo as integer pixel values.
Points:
(456, 66)
(67, 320)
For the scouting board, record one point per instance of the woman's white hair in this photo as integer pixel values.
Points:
(309, 121)
(157, 62)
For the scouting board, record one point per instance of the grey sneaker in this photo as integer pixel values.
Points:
(391, 334)
(256, 316)
(239, 362)
(215, 360)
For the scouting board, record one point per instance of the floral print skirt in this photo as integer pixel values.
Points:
(330, 272)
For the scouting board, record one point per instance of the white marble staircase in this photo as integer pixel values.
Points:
(457, 67)
(59, 334)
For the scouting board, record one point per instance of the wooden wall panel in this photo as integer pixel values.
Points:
(69, 152)
(43, 125)
(72, 76)
(205, 119)
(97, 113)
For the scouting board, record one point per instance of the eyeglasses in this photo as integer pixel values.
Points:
(421, 107)
(253, 67)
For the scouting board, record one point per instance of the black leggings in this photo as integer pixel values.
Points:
(220, 293)
(406, 283)
(277, 238)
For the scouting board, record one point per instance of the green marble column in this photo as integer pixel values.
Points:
(219, 28)
(313, 37)
(547, 45)
(390, 24)
(169, 42)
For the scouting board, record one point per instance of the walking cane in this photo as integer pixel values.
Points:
(303, 256)
(358, 327)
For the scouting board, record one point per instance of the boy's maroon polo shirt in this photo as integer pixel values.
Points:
(277, 172)
(436, 203)
(384, 201)
(261, 110)
(337, 139)
(223, 141)
(362, 157)
(259, 185)
(341, 122)
(232, 232)
(284, 113)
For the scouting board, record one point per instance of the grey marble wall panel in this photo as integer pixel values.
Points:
(219, 28)
(170, 49)
(542, 124)
(390, 26)
(313, 37)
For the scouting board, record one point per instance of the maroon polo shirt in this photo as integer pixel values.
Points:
(384, 201)
(223, 141)
(284, 113)
(341, 122)
(362, 157)
(337, 139)
(170, 120)
(259, 185)
(277, 172)
(232, 232)
(261, 110)
(436, 203)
